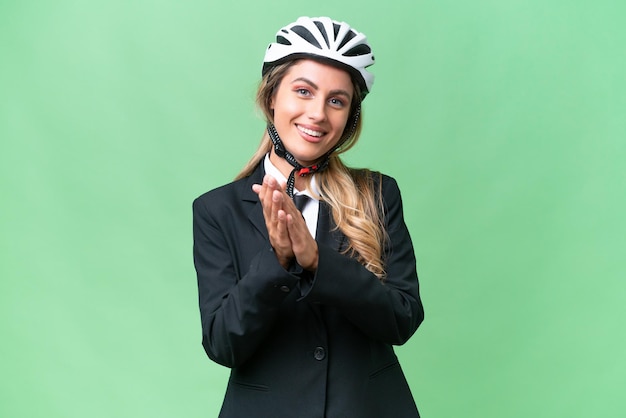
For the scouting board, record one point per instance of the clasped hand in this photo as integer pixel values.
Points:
(289, 236)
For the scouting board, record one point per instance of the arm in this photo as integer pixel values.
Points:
(389, 311)
(238, 304)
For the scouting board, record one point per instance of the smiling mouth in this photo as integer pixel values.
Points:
(310, 132)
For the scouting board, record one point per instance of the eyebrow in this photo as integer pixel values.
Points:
(332, 92)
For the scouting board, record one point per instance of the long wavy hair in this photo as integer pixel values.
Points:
(356, 203)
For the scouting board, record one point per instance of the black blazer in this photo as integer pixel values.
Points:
(299, 344)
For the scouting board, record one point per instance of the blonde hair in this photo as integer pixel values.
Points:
(356, 204)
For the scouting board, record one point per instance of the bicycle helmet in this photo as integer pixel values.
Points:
(325, 40)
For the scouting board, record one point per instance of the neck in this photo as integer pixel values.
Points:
(285, 168)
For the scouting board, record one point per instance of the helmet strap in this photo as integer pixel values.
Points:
(355, 121)
(302, 171)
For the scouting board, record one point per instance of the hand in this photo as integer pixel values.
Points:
(270, 194)
(288, 233)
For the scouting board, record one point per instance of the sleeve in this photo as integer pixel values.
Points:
(391, 310)
(236, 312)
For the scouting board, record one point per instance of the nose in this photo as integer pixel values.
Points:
(316, 110)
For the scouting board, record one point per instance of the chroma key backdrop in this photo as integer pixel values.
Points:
(503, 123)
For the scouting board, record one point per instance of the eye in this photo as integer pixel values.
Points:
(336, 102)
(303, 92)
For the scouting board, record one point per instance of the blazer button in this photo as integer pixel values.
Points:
(284, 289)
(319, 353)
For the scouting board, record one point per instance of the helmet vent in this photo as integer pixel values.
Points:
(306, 35)
(358, 50)
(282, 40)
(336, 27)
(322, 30)
(346, 39)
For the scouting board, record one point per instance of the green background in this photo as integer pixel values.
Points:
(504, 123)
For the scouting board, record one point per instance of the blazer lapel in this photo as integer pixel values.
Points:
(255, 215)
(327, 232)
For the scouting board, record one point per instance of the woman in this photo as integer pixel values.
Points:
(305, 305)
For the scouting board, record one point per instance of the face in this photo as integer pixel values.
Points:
(311, 107)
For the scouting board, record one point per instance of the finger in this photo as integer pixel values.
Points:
(276, 205)
(281, 226)
(303, 245)
(274, 184)
(265, 197)
(260, 190)
(289, 206)
(279, 238)
(268, 191)
(298, 232)
(271, 182)
(296, 227)
(266, 202)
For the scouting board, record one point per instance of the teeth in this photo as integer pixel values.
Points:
(310, 132)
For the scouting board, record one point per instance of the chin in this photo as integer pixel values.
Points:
(308, 159)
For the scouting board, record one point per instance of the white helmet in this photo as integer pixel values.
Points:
(326, 40)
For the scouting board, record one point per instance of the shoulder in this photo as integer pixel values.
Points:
(223, 205)
(223, 192)
(384, 184)
(226, 195)
(225, 201)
